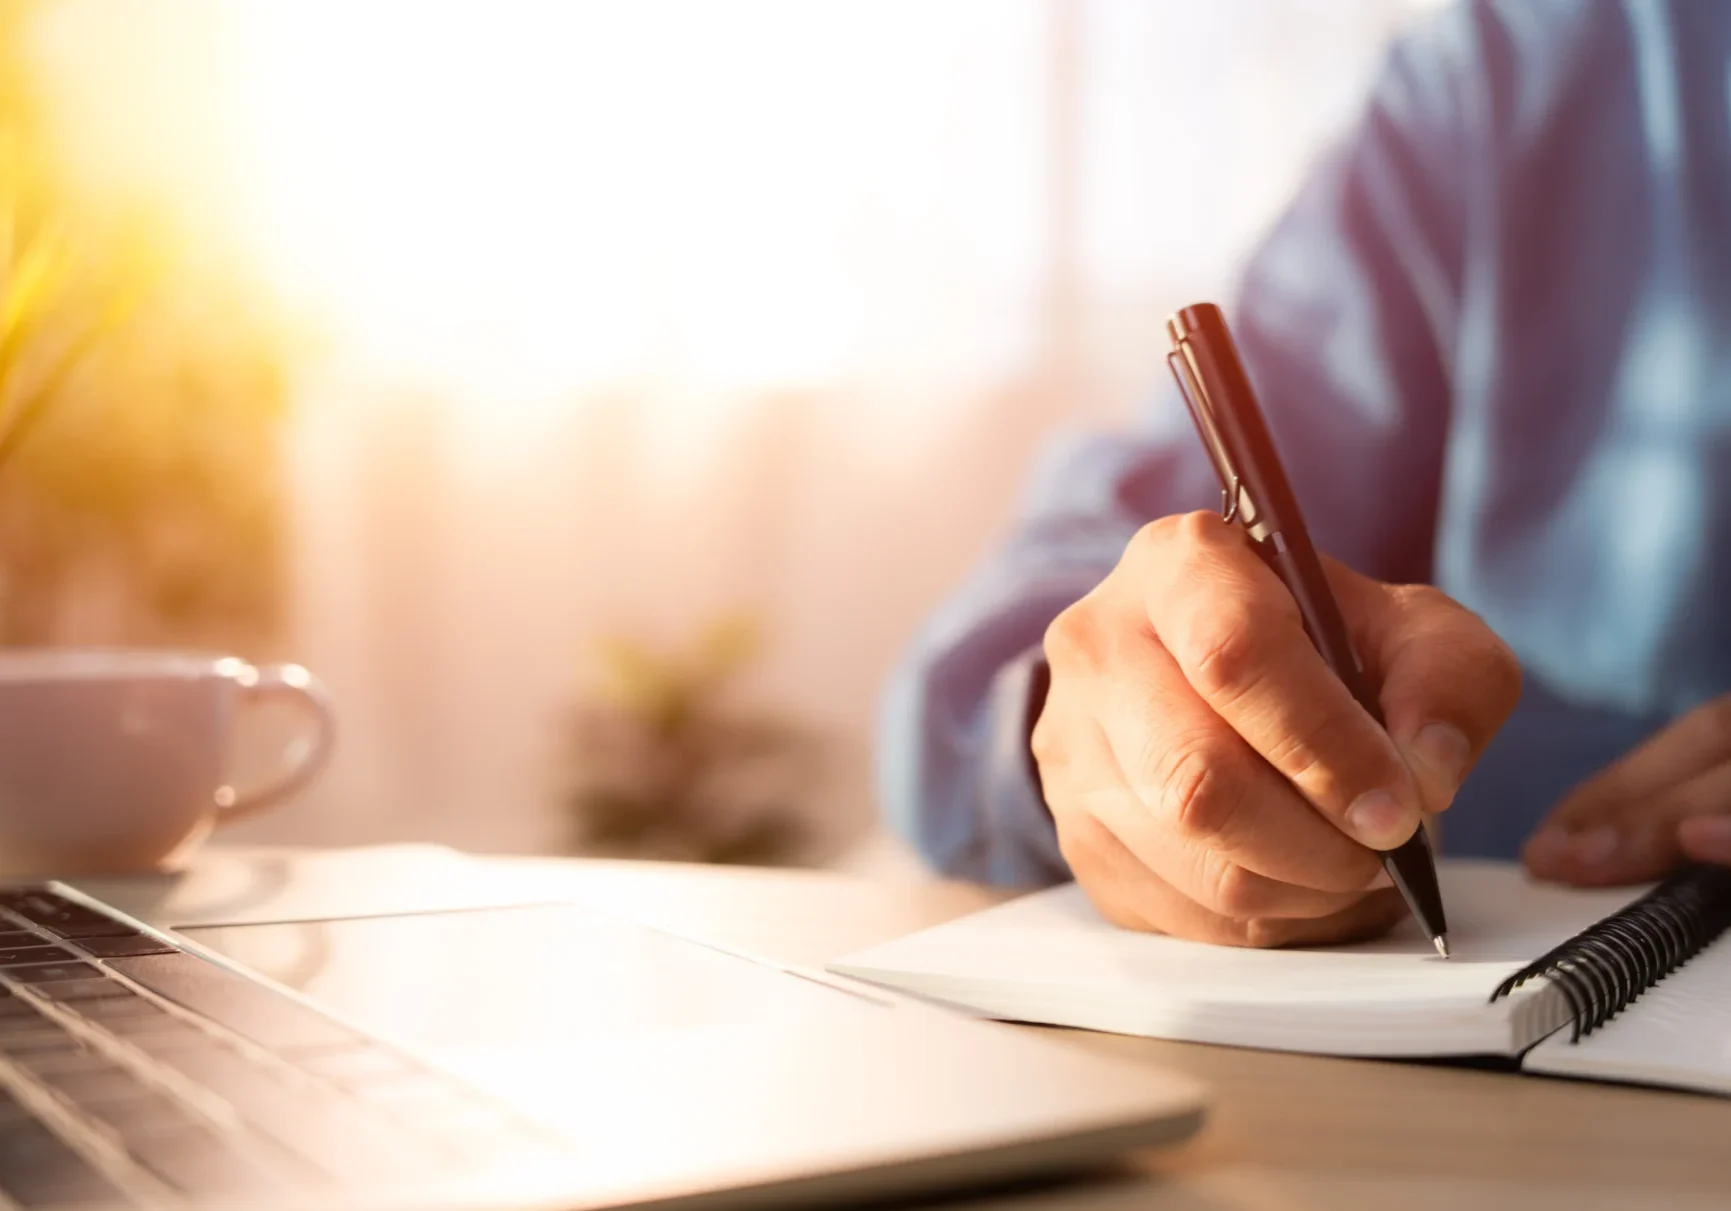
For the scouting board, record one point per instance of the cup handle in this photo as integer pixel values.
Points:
(284, 682)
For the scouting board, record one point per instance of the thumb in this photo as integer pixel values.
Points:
(1447, 682)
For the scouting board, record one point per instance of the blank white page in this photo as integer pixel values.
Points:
(1049, 957)
(1676, 1033)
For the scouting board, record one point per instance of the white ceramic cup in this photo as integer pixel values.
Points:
(116, 761)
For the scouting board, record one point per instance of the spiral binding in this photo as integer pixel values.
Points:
(1603, 968)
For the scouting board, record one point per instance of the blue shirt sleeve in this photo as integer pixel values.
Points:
(1344, 318)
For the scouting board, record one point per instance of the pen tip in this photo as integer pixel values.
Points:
(1442, 945)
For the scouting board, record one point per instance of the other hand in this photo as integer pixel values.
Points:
(1666, 800)
(1211, 778)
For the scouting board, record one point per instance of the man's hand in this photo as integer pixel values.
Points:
(1667, 800)
(1211, 778)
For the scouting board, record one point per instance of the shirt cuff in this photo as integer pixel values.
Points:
(1021, 840)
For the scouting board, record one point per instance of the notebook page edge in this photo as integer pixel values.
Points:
(1347, 1030)
(976, 962)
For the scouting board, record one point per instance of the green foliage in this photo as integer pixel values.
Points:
(666, 765)
(140, 408)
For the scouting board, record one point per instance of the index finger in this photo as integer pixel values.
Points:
(1239, 639)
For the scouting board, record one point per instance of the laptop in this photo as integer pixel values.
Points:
(529, 1056)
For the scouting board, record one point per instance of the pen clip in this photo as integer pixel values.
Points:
(1233, 498)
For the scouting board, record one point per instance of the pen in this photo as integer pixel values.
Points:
(1255, 493)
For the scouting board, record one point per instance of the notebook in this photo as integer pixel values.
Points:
(1626, 984)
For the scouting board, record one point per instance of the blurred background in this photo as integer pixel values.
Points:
(597, 394)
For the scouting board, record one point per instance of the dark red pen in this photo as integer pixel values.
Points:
(1255, 493)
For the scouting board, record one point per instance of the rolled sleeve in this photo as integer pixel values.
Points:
(1345, 319)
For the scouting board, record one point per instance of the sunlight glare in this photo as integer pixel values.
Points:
(494, 196)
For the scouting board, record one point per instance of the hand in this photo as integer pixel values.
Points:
(1667, 800)
(1211, 778)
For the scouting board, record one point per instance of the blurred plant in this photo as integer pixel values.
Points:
(666, 766)
(140, 403)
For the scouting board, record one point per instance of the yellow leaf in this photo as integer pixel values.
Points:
(28, 285)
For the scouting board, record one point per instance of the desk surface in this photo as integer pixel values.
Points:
(1286, 1133)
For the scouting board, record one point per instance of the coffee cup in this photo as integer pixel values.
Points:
(117, 761)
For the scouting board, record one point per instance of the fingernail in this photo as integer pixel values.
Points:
(1595, 846)
(1444, 752)
(1380, 820)
(1707, 838)
(1379, 881)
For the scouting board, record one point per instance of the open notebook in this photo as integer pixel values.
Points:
(1592, 1001)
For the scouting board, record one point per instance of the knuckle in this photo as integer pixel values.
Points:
(1223, 931)
(1267, 933)
(1331, 752)
(1427, 614)
(1199, 528)
(1230, 890)
(1081, 840)
(1152, 537)
(1178, 536)
(1302, 754)
(1424, 599)
(1074, 638)
(1222, 652)
(1045, 743)
(1196, 792)
(1499, 672)
(1179, 542)
(1095, 858)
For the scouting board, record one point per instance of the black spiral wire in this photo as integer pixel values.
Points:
(1603, 968)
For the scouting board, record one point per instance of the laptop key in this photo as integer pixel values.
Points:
(47, 973)
(38, 903)
(107, 1008)
(101, 927)
(39, 1169)
(93, 1085)
(40, 952)
(233, 1077)
(49, 1037)
(84, 990)
(11, 1109)
(202, 1164)
(251, 1010)
(48, 909)
(119, 948)
(61, 916)
(165, 1039)
(84, 1060)
(137, 1028)
(135, 1117)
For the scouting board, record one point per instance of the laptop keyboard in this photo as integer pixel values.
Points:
(134, 1073)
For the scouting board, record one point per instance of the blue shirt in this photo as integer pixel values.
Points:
(1492, 337)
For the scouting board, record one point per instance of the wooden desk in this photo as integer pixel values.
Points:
(1286, 1133)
